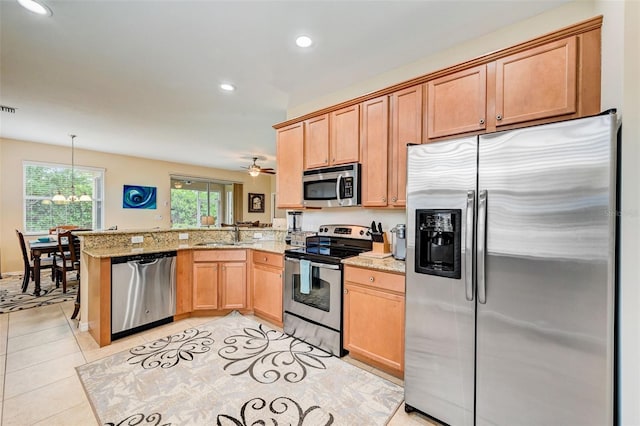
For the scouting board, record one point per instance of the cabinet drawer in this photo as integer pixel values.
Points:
(219, 255)
(376, 279)
(269, 259)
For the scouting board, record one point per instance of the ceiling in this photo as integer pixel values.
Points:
(142, 77)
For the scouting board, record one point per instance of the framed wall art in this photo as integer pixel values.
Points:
(256, 203)
(139, 197)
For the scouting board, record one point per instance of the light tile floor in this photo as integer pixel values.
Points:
(40, 348)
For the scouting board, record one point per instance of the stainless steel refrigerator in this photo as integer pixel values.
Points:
(510, 282)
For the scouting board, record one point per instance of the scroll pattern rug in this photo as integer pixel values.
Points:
(13, 299)
(234, 371)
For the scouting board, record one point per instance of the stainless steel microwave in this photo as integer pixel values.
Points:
(337, 186)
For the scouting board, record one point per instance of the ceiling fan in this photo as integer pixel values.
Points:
(255, 170)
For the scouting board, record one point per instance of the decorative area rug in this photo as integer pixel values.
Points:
(234, 371)
(13, 299)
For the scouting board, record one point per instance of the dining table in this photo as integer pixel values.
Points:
(39, 248)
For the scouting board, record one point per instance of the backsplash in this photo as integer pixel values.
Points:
(312, 219)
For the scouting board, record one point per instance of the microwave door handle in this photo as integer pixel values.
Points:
(338, 189)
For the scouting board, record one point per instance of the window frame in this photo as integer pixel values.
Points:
(98, 189)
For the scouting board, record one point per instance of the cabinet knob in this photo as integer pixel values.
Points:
(346, 291)
(265, 258)
(326, 160)
(394, 199)
(498, 117)
(384, 199)
(371, 279)
(482, 121)
(334, 160)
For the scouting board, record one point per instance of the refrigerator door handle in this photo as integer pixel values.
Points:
(468, 274)
(481, 243)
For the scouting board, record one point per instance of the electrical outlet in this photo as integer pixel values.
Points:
(183, 236)
(137, 239)
(257, 235)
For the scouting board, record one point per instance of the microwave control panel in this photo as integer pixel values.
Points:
(346, 190)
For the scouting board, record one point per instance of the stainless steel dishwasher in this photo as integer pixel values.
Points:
(143, 289)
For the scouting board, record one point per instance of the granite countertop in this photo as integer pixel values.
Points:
(388, 264)
(271, 246)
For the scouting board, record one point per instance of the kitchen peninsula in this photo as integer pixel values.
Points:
(214, 269)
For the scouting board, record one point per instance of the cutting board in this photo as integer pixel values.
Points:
(374, 255)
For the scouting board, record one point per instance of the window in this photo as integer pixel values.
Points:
(193, 198)
(43, 181)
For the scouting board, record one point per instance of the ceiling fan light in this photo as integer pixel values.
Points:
(35, 7)
(254, 171)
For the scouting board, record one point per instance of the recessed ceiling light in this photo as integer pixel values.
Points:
(35, 7)
(304, 41)
(227, 87)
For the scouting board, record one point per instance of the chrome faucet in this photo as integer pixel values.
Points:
(236, 233)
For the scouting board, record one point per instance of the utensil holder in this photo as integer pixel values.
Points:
(382, 247)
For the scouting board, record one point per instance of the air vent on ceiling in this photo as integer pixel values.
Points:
(5, 108)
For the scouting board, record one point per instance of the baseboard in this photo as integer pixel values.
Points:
(83, 326)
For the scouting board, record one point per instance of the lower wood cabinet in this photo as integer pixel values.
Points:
(374, 318)
(219, 279)
(267, 285)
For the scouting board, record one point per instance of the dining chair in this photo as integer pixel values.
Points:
(68, 258)
(45, 263)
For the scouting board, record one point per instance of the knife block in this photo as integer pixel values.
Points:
(382, 247)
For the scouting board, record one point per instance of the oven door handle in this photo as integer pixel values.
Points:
(316, 264)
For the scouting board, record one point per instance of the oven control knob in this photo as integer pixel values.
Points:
(362, 232)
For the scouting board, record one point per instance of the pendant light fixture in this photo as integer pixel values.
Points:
(59, 198)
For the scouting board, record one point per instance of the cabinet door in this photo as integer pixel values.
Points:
(233, 285)
(267, 292)
(374, 154)
(316, 142)
(205, 285)
(456, 103)
(406, 127)
(378, 337)
(289, 150)
(537, 83)
(345, 135)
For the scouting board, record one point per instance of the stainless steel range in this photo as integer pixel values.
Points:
(313, 284)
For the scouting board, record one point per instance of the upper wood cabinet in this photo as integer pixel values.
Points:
(316, 142)
(289, 152)
(553, 81)
(406, 127)
(456, 103)
(345, 135)
(537, 83)
(375, 145)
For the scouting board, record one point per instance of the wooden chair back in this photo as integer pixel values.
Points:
(72, 242)
(23, 247)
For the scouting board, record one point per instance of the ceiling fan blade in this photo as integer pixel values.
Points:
(267, 168)
(268, 172)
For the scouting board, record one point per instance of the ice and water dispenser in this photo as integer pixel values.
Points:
(438, 242)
